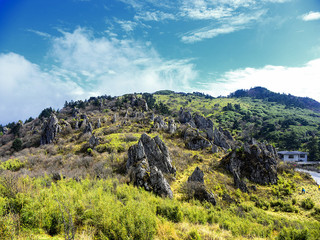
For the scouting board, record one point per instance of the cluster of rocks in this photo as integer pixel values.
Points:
(147, 161)
(255, 162)
(160, 124)
(199, 134)
(198, 190)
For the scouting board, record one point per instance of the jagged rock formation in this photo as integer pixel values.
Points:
(197, 176)
(205, 124)
(50, 130)
(223, 138)
(196, 185)
(195, 140)
(159, 184)
(159, 124)
(88, 128)
(138, 102)
(184, 116)
(93, 141)
(146, 162)
(172, 127)
(257, 163)
(99, 123)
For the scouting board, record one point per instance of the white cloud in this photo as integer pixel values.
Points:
(118, 66)
(85, 66)
(311, 16)
(232, 24)
(127, 26)
(26, 89)
(300, 81)
(39, 33)
(154, 16)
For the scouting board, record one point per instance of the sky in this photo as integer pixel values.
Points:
(57, 50)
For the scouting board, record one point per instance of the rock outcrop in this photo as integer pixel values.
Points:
(196, 185)
(147, 161)
(88, 128)
(50, 130)
(197, 176)
(257, 163)
(223, 138)
(184, 116)
(159, 124)
(93, 141)
(205, 124)
(195, 140)
(159, 184)
(172, 127)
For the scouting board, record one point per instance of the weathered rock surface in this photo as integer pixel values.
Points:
(159, 184)
(196, 185)
(146, 163)
(159, 124)
(205, 124)
(98, 123)
(223, 138)
(93, 141)
(172, 127)
(157, 153)
(197, 176)
(257, 163)
(88, 128)
(195, 140)
(184, 116)
(50, 131)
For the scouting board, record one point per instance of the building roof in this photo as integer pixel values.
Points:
(291, 152)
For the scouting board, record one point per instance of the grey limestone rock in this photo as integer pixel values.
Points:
(205, 124)
(257, 163)
(50, 131)
(194, 140)
(197, 176)
(159, 184)
(184, 116)
(99, 123)
(172, 127)
(88, 128)
(93, 141)
(223, 138)
(196, 183)
(160, 124)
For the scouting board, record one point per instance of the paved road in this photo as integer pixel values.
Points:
(314, 175)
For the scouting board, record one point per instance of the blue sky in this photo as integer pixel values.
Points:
(57, 50)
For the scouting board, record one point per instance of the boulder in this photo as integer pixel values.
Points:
(159, 124)
(157, 153)
(172, 127)
(257, 163)
(147, 161)
(159, 184)
(205, 124)
(195, 140)
(93, 141)
(50, 130)
(197, 176)
(222, 138)
(198, 189)
(88, 128)
(184, 116)
(98, 123)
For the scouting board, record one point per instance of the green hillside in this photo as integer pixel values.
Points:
(78, 186)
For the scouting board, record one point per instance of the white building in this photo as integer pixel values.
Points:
(293, 156)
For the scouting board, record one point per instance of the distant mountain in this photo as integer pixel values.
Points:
(285, 99)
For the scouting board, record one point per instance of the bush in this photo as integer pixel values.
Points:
(17, 144)
(13, 164)
(293, 234)
(307, 203)
(170, 211)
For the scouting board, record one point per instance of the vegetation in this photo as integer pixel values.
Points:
(71, 189)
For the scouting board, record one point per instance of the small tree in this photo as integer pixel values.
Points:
(17, 144)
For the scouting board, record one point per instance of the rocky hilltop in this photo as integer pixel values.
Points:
(167, 162)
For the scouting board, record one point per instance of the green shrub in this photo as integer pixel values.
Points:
(307, 203)
(293, 234)
(17, 144)
(12, 164)
(170, 211)
(194, 235)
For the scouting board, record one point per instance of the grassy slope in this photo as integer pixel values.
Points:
(94, 203)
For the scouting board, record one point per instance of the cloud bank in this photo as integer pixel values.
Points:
(300, 81)
(86, 66)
